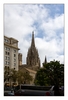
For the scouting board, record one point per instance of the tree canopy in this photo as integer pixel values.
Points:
(52, 73)
(24, 77)
(11, 75)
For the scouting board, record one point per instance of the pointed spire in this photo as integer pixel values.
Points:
(33, 43)
(45, 60)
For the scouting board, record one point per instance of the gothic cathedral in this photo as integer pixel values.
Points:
(32, 60)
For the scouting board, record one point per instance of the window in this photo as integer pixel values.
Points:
(8, 63)
(5, 62)
(5, 48)
(14, 51)
(14, 60)
(6, 57)
(6, 52)
(14, 55)
(14, 64)
(5, 66)
(5, 40)
(8, 49)
(8, 67)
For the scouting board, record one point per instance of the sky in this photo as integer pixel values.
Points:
(47, 22)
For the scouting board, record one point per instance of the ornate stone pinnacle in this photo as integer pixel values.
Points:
(33, 43)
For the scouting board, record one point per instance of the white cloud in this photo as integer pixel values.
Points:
(53, 24)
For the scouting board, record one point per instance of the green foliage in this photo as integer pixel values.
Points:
(20, 78)
(41, 77)
(13, 75)
(16, 76)
(27, 77)
(10, 75)
(51, 73)
(6, 73)
(24, 77)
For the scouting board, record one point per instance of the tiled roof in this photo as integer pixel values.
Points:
(30, 70)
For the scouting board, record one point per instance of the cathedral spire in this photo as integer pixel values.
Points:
(45, 60)
(32, 56)
(33, 43)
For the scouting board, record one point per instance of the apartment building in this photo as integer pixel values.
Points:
(11, 52)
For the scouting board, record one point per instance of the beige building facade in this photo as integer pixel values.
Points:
(11, 53)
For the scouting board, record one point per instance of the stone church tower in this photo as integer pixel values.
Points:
(45, 62)
(32, 60)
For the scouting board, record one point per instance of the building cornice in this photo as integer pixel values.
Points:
(11, 46)
(11, 38)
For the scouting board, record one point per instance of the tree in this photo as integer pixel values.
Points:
(52, 73)
(27, 77)
(40, 77)
(24, 77)
(10, 75)
(20, 78)
(13, 75)
(6, 73)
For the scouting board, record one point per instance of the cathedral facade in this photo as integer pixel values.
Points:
(32, 60)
